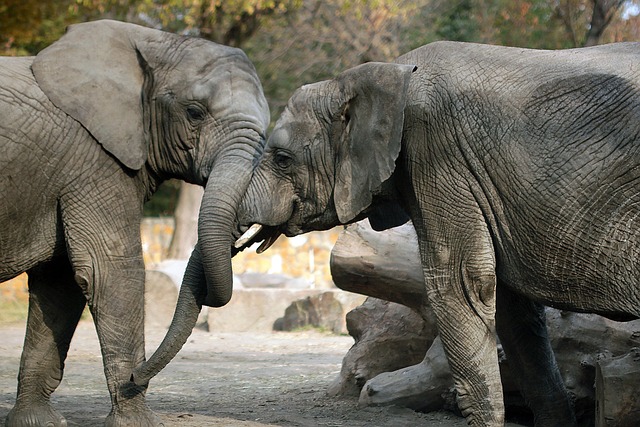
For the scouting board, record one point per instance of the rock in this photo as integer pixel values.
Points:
(258, 300)
(326, 310)
(162, 286)
(160, 297)
(254, 310)
(578, 341)
(273, 281)
(422, 387)
(388, 336)
(387, 361)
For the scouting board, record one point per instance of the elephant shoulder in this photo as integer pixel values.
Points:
(15, 74)
(19, 92)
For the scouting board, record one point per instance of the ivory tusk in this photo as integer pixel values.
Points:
(248, 235)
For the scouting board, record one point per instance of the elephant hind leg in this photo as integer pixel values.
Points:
(521, 326)
(55, 306)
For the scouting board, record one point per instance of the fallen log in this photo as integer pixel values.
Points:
(386, 265)
(379, 264)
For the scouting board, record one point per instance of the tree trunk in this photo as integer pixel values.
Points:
(386, 265)
(617, 379)
(185, 234)
(603, 13)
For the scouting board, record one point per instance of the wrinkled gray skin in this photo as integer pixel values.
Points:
(520, 170)
(88, 130)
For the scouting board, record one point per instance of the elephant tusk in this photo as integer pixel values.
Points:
(248, 235)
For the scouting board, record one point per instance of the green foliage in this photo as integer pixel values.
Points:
(163, 202)
(458, 22)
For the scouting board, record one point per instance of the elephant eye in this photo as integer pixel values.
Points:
(282, 160)
(195, 113)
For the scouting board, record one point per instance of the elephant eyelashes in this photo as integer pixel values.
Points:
(282, 160)
(195, 113)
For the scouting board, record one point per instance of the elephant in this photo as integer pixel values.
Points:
(520, 170)
(89, 128)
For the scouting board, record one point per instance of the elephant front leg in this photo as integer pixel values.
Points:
(55, 307)
(106, 256)
(117, 307)
(470, 345)
(459, 272)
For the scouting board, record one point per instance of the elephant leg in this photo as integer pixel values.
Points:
(115, 290)
(55, 306)
(117, 305)
(522, 329)
(108, 266)
(459, 272)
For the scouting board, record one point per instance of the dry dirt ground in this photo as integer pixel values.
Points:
(219, 379)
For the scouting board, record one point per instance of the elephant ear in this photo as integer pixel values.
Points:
(93, 74)
(373, 114)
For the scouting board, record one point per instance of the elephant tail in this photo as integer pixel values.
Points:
(192, 294)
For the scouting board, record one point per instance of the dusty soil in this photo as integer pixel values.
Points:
(219, 379)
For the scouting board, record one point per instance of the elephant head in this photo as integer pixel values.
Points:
(329, 161)
(331, 157)
(167, 106)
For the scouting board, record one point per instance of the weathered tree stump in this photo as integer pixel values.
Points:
(386, 265)
(617, 381)
(388, 336)
(422, 387)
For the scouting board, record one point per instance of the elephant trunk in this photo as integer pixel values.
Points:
(192, 294)
(216, 223)
(208, 279)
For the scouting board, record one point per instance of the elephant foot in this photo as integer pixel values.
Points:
(35, 415)
(420, 387)
(140, 417)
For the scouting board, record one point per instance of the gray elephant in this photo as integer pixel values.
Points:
(89, 129)
(520, 170)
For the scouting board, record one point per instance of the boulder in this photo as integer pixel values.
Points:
(272, 281)
(259, 310)
(160, 297)
(617, 380)
(326, 310)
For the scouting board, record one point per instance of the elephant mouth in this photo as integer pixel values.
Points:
(258, 233)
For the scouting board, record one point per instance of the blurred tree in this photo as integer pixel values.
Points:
(586, 20)
(533, 24)
(324, 37)
(458, 21)
(28, 26)
(229, 22)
